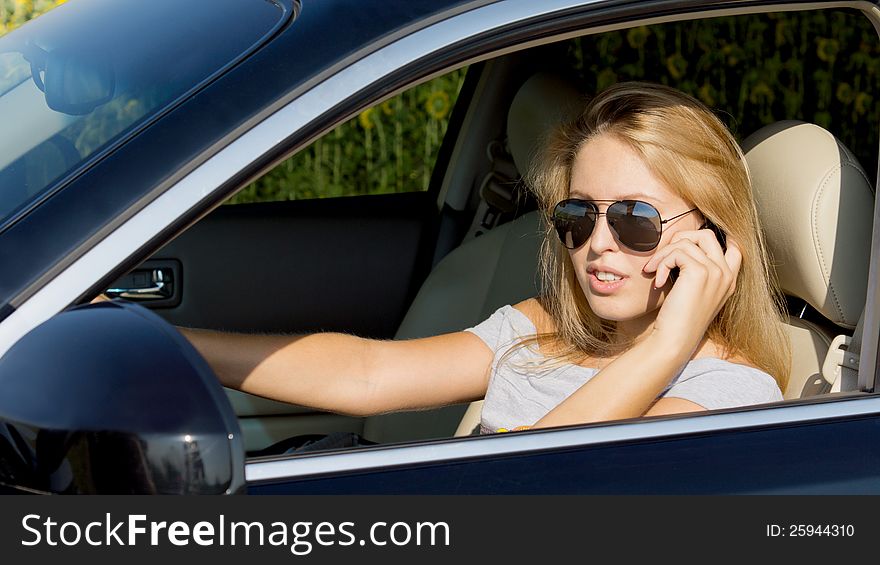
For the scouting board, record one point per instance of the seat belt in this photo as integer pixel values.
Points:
(841, 366)
(498, 190)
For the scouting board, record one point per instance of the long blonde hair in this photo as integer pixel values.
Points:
(688, 148)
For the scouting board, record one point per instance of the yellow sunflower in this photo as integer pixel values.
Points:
(676, 65)
(827, 49)
(863, 103)
(365, 118)
(437, 105)
(637, 36)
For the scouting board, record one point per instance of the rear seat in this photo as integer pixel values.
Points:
(485, 273)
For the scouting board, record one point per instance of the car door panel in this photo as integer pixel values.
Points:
(343, 264)
(830, 457)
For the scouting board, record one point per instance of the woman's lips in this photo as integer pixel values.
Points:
(605, 287)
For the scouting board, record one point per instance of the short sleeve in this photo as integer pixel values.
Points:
(490, 329)
(724, 385)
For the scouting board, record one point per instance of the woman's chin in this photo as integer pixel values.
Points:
(615, 309)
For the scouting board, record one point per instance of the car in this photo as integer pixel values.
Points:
(131, 138)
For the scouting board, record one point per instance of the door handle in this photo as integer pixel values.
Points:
(145, 284)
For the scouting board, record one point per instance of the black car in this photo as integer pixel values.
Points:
(127, 125)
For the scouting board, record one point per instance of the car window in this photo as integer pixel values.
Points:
(84, 78)
(816, 66)
(388, 148)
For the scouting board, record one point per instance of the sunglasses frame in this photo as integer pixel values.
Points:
(596, 213)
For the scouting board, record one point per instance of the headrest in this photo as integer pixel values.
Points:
(542, 102)
(815, 205)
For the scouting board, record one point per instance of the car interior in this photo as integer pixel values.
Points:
(423, 263)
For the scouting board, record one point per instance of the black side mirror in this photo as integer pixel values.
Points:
(108, 398)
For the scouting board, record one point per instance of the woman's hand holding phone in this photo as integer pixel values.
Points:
(707, 278)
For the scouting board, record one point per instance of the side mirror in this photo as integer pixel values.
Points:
(108, 398)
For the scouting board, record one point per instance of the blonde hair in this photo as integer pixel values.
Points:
(692, 152)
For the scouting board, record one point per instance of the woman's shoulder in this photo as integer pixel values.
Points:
(535, 312)
(507, 324)
(710, 350)
(713, 359)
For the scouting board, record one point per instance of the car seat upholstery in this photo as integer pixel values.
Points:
(815, 205)
(487, 272)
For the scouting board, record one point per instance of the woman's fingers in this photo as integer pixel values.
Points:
(733, 257)
(704, 246)
(705, 240)
(687, 257)
(655, 261)
(707, 280)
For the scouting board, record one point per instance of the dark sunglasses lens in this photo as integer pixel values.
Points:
(574, 222)
(637, 224)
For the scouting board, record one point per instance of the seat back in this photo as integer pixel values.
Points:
(815, 206)
(485, 273)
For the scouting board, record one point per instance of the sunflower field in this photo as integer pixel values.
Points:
(816, 66)
(13, 13)
(390, 147)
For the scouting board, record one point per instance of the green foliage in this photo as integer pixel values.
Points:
(387, 148)
(13, 13)
(816, 66)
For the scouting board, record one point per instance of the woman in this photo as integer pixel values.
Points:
(643, 312)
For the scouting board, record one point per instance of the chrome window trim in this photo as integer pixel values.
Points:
(524, 443)
(190, 191)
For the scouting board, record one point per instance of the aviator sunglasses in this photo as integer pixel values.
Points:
(636, 224)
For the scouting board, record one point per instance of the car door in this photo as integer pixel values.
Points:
(474, 464)
(761, 450)
(811, 448)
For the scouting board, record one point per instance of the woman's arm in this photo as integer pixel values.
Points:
(628, 386)
(348, 374)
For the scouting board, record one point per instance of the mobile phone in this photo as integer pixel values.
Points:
(722, 239)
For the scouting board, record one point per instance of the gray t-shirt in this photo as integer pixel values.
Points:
(521, 391)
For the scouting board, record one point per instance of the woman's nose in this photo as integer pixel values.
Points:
(603, 237)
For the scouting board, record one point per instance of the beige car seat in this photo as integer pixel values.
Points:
(815, 205)
(487, 272)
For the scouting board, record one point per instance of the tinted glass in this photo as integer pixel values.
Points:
(636, 223)
(79, 79)
(574, 221)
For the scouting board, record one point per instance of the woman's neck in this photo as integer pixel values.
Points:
(637, 329)
(641, 328)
